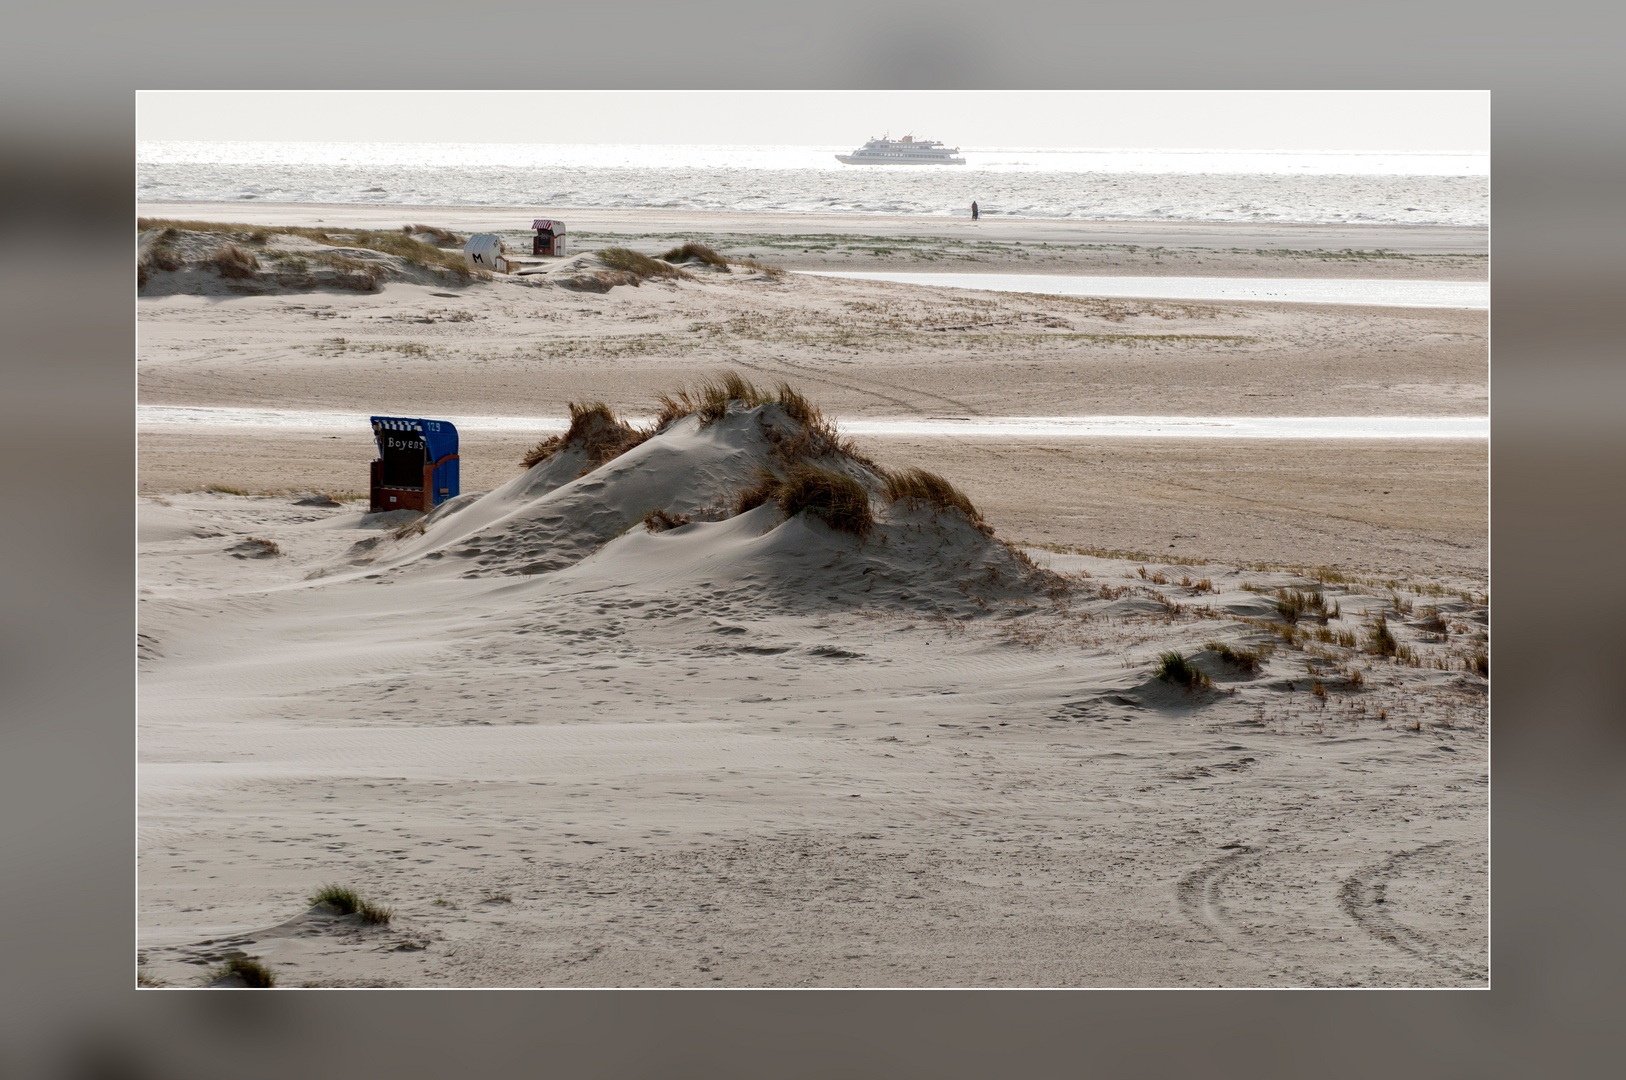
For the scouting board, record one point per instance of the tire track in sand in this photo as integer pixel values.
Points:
(870, 391)
(1363, 897)
(1199, 893)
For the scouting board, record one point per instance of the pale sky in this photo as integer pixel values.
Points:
(1356, 121)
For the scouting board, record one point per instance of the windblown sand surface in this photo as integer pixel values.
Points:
(754, 751)
(866, 348)
(764, 753)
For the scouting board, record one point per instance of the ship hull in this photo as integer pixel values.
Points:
(850, 159)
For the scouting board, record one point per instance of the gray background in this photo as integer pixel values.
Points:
(66, 636)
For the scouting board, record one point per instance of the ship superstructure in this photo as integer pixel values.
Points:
(905, 151)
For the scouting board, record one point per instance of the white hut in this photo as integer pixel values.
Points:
(485, 251)
(550, 237)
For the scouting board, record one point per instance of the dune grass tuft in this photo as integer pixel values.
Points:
(835, 498)
(1380, 639)
(173, 228)
(442, 237)
(801, 410)
(601, 435)
(924, 488)
(766, 489)
(360, 274)
(341, 897)
(339, 261)
(161, 255)
(816, 436)
(1174, 668)
(605, 280)
(1245, 659)
(660, 521)
(414, 252)
(253, 973)
(632, 262)
(231, 261)
(772, 273)
(348, 901)
(694, 252)
(710, 398)
(1292, 604)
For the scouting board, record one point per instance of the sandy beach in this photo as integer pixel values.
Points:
(755, 750)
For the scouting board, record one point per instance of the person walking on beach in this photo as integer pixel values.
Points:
(974, 210)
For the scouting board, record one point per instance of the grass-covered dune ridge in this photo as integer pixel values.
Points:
(172, 255)
(179, 256)
(595, 431)
(633, 262)
(753, 484)
(602, 269)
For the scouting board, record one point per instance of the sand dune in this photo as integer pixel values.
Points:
(755, 750)
(567, 510)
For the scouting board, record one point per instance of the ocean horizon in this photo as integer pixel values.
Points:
(1013, 182)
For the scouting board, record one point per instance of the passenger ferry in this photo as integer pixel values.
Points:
(905, 151)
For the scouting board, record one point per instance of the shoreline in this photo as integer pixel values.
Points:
(1382, 292)
(828, 241)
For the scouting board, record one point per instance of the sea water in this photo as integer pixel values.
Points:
(1007, 427)
(1370, 291)
(1085, 185)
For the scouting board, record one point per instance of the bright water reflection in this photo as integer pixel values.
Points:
(1034, 427)
(1370, 291)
